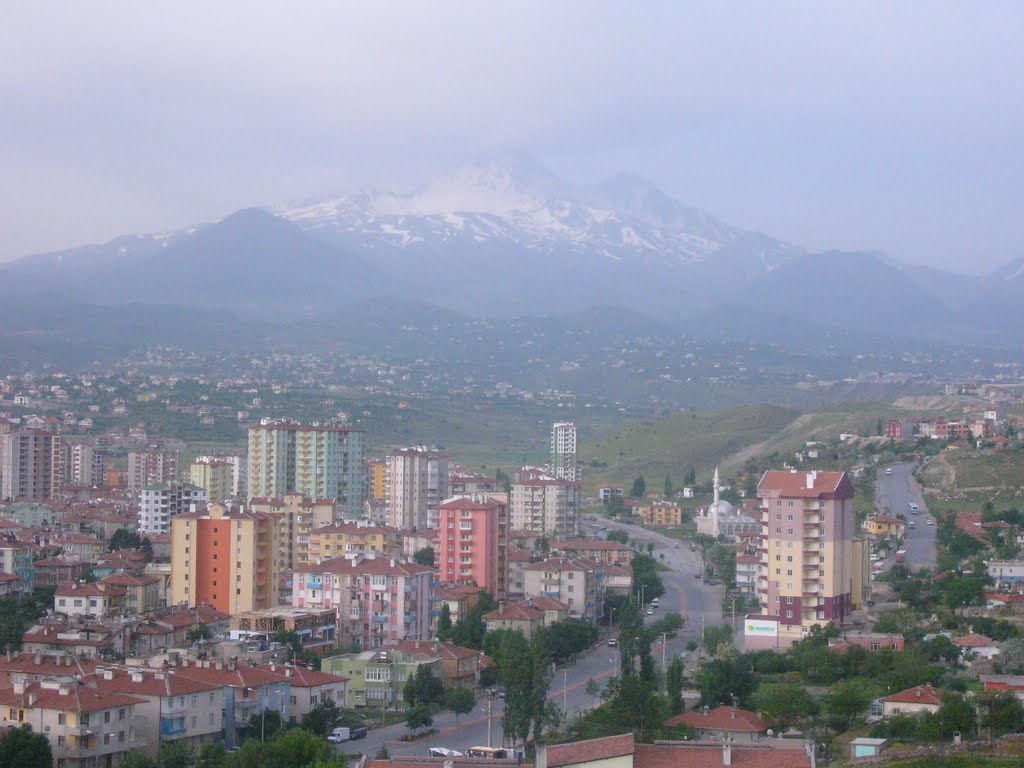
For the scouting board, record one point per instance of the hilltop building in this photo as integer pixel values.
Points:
(564, 456)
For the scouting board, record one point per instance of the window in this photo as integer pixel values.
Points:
(120, 714)
(211, 718)
(62, 719)
(194, 721)
(120, 736)
(60, 741)
(106, 716)
(789, 558)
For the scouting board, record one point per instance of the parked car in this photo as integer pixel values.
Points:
(359, 733)
(612, 642)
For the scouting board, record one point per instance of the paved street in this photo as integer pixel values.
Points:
(683, 593)
(895, 492)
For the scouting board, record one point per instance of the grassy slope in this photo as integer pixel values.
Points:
(671, 445)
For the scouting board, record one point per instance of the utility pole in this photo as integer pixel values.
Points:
(490, 702)
(565, 692)
(664, 642)
(702, 630)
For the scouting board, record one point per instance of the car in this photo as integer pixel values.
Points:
(358, 733)
(870, 603)
(654, 602)
(931, 522)
(888, 471)
(696, 575)
(612, 642)
(650, 611)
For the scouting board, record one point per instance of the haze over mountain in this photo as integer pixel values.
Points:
(503, 236)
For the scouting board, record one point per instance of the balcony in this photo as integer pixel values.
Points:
(381, 618)
(410, 617)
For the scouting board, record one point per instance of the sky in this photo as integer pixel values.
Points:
(872, 125)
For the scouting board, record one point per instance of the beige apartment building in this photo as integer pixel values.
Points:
(86, 726)
(297, 516)
(225, 558)
(545, 505)
(215, 476)
(577, 583)
(353, 538)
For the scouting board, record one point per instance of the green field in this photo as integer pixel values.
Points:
(670, 446)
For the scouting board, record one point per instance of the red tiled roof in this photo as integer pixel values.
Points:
(974, 641)
(919, 694)
(562, 564)
(379, 566)
(89, 589)
(428, 648)
(591, 749)
(79, 698)
(301, 677)
(462, 502)
(680, 755)
(721, 719)
(242, 676)
(515, 612)
(153, 683)
(591, 544)
(50, 665)
(794, 484)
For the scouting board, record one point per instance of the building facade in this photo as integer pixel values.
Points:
(297, 516)
(33, 466)
(806, 569)
(162, 502)
(473, 543)
(417, 483)
(564, 457)
(545, 505)
(577, 583)
(151, 467)
(320, 460)
(224, 558)
(214, 476)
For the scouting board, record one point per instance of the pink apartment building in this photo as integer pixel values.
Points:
(473, 543)
(378, 601)
(806, 557)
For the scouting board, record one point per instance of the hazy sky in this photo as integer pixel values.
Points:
(892, 126)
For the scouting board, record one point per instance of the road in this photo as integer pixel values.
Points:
(683, 593)
(895, 492)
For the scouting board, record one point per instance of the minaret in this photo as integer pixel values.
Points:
(714, 483)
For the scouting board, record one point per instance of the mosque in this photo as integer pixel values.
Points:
(720, 518)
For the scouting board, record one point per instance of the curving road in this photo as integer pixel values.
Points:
(894, 495)
(683, 593)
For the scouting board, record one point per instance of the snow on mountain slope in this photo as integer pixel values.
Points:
(513, 200)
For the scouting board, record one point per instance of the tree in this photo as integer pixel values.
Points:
(419, 717)
(265, 723)
(1010, 660)
(674, 685)
(297, 747)
(429, 689)
(469, 630)
(444, 623)
(569, 637)
(424, 556)
(125, 539)
(593, 689)
(847, 701)
(716, 636)
(646, 579)
(88, 576)
(409, 691)
(211, 755)
(459, 700)
(131, 760)
(382, 753)
(201, 632)
(639, 487)
(322, 718)
(784, 704)
(618, 535)
(669, 488)
(176, 754)
(723, 678)
(525, 671)
(1004, 713)
(21, 748)
(691, 477)
(956, 714)
(615, 506)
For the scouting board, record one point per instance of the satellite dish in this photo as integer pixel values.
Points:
(770, 734)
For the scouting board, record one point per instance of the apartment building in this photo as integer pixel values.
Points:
(170, 709)
(92, 599)
(33, 465)
(377, 678)
(656, 512)
(162, 502)
(321, 460)
(545, 505)
(807, 529)
(151, 467)
(214, 476)
(473, 543)
(576, 582)
(564, 458)
(239, 467)
(309, 688)
(297, 516)
(16, 559)
(378, 600)
(357, 537)
(86, 726)
(417, 483)
(225, 558)
(604, 551)
(83, 464)
(377, 479)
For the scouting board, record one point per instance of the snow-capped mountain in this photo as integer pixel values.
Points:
(511, 200)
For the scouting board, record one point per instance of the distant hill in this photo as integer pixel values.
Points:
(657, 447)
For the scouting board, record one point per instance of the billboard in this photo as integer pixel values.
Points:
(760, 627)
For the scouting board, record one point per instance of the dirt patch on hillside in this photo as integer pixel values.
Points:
(933, 403)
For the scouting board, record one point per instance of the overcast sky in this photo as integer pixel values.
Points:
(890, 126)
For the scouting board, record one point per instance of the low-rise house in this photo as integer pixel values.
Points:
(886, 525)
(517, 560)
(142, 593)
(247, 690)
(350, 538)
(656, 511)
(1012, 683)
(618, 579)
(603, 551)
(85, 726)
(89, 639)
(53, 571)
(377, 678)
(977, 645)
(1007, 574)
(310, 688)
(172, 708)
(869, 641)
(460, 599)
(912, 701)
(460, 667)
(93, 599)
(732, 723)
(516, 616)
(16, 559)
(10, 584)
(41, 666)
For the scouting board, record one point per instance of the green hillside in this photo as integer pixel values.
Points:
(672, 445)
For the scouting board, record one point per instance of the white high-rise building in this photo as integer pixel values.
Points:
(564, 459)
(417, 480)
(163, 502)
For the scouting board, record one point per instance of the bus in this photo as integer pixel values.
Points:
(900, 555)
(491, 753)
(443, 752)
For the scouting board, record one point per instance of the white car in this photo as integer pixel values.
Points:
(931, 522)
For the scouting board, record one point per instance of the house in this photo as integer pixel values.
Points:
(1013, 683)
(656, 512)
(142, 593)
(869, 641)
(85, 726)
(517, 560)
(310, 688)
(89, 640)
(516, 616)
(460, 667)
(603, 551)
(732, 723)
(886, 525)
(460, 599)
(865, 747)
(89, 599)
(980, 646)
(618, 579)
(912, 701)
(377, 678)
(171, 708)
(40, 666)
(1007, 574)
(10, 584)
(577, 582)
(607, 752)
